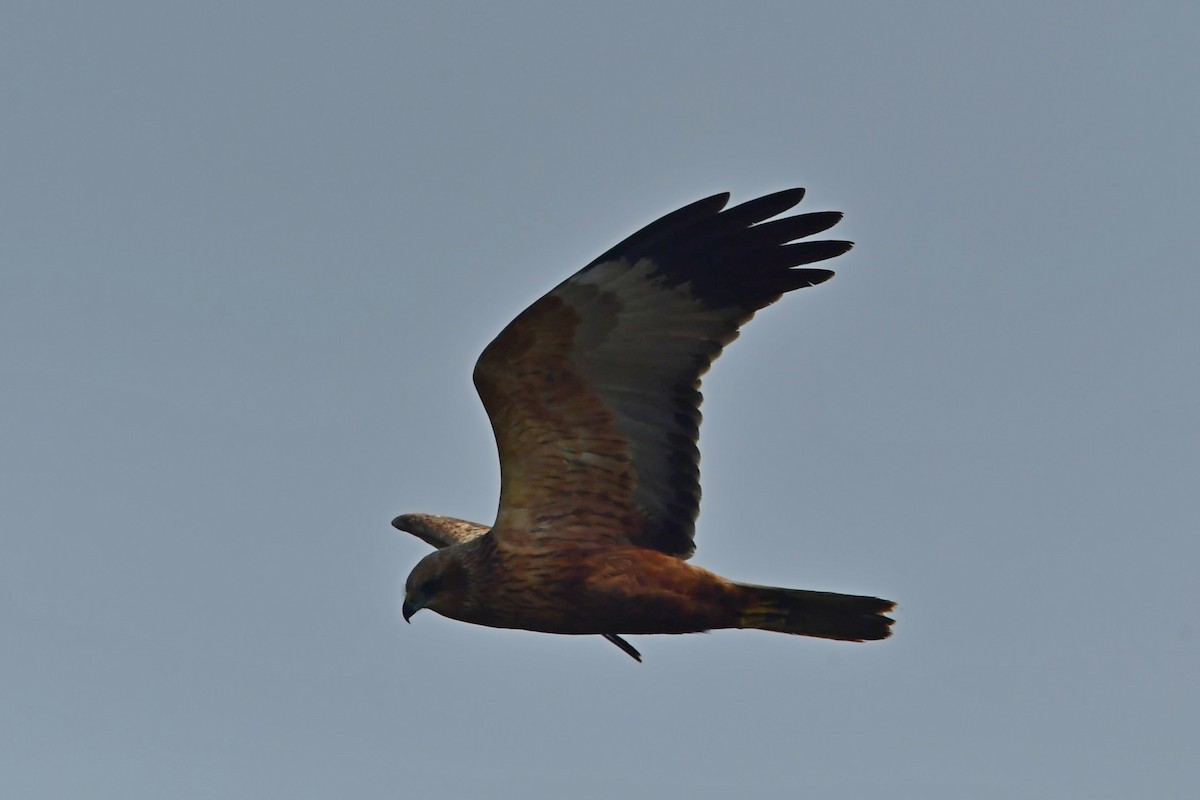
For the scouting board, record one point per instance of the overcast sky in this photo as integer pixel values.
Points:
(250, 251)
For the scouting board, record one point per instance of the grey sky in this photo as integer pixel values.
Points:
(250, 252)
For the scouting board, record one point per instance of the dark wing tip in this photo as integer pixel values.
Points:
(406, 522)
(765, 207)
(744, 256)
(812, 252)
(803, 278)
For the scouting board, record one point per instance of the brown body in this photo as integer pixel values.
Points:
(593, 395)
(588, 590)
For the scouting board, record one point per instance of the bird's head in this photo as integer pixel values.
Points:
(439, 582)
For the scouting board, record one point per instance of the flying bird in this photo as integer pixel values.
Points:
(593, 393)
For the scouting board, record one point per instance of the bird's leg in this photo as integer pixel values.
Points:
(624, 645)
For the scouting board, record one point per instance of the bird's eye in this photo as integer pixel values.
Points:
(432, 587)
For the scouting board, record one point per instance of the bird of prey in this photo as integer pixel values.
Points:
(593, 395)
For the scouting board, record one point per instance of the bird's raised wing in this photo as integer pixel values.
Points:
(439, 531)
(593, 391)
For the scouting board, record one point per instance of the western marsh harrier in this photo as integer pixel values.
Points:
(593, 394)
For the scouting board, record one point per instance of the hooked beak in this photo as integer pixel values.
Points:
(408, 609)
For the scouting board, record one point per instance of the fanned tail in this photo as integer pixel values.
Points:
(847, 617)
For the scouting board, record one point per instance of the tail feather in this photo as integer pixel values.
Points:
(848, 617)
